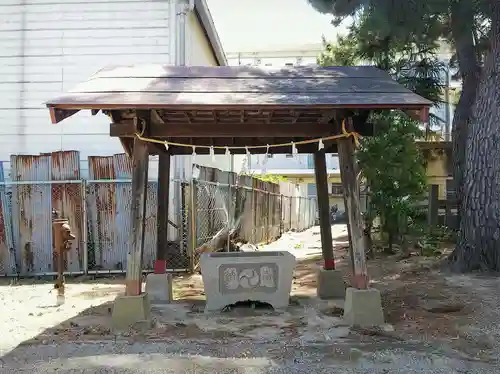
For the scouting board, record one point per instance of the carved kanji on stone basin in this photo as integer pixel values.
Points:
(243, 276)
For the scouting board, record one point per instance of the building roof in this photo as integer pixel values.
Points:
(239, 105)
(201, 7)
(160, 86)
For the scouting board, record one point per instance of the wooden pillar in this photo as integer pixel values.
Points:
(350, 184)
(162, 248)
(140, 157)
(433, 201)
(324, 209)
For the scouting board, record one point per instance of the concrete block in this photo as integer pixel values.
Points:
(159, 288)
(363, 307)
(128, 310)
(331, 284)
(242, 276)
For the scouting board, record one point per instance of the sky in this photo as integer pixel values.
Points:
(245, 25)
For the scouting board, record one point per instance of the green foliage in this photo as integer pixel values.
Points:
(343, 53)
(403, 37)
(431, 241)
(269, 178)
(394, 171)
(412, 61)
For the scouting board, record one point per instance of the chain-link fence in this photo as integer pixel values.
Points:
(109, 225)
(201, 214)
(26, 226)
(257, 216)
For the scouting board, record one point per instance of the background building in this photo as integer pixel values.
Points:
(47, 48)
(299, 168)
(279, 56)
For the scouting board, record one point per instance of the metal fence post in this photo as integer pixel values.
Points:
(229, 214)
(85, 228)
(282, 224)
(193, 222)
(253, 214)
(299, 227)
(268, 216)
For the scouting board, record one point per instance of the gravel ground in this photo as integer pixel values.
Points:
(323, 346)
(29, 309)
(237, 357)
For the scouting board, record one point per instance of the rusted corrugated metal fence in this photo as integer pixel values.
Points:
(98, 209)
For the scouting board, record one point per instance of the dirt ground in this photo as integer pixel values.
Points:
(420, 303)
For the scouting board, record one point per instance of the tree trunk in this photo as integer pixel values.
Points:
(218, 242)
(462, 28)
(479, 237)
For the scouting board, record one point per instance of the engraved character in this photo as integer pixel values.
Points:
(267, 277)
(231, 278)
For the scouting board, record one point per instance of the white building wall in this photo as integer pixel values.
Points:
(49, 46)
(290, 162)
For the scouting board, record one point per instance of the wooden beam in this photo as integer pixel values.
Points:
(57, 115)
(350, 184)
(156, 118)
(126, 128)
(324, 209)
(127, 144)
(140, 165)
(163, 206)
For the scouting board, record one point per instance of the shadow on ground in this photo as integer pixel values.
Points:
(418, 303)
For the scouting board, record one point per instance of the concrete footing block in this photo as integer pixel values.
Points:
(128, 310)
(363, 307)
(331, 284)
(159, 288)
(242, 276)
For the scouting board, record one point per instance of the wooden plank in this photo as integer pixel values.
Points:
(235, 85)
(238, 100)
(324, 209)
(163, 206)
(168, 71)
(350, 184)
(138, 212)
(248, 129)
(433, 211)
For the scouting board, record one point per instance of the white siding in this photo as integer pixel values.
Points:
(199, 50)
(48, 46)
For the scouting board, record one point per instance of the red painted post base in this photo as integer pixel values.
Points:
(160, 266)
(329, 265)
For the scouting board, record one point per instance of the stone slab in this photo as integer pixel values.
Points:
(363, 307)
(242, 276)
(331, 284)
(159, 288)
(128, 310)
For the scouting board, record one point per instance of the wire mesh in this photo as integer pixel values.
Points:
(109, 224)
(261, 216)
(99, 212)
(26, 226)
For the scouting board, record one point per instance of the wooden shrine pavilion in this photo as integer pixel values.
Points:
(240, 107)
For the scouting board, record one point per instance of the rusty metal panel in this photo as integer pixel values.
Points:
(123, 167)
(31, 212)
(108, 205)
(101, 208)
(67, 200)
(101, 167)
(7, 252)
(123, 171)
